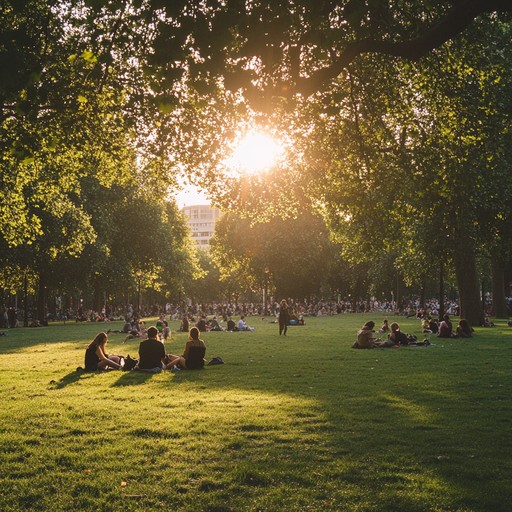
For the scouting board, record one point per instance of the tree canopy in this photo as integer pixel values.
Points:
(395, 117)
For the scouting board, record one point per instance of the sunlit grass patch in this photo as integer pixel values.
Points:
(302, 423)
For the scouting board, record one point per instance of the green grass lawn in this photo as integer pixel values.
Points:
(296, 423)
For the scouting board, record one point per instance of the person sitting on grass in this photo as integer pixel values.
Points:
(464, 330)
(487, 322)
(201, 324)
(214, 325)
(97, 359)
(425, 325)
(384, 327)
(230, 327)
(151, 352)
(445, 328)
(397, 336)
(242, 325)
(166, 331)
(184, 324)
(193, 355)
(365, 338)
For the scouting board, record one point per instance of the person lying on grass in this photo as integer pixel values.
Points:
(365, 338)
(193, 355)
(97, 359)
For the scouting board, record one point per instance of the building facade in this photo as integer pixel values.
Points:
(201, 220)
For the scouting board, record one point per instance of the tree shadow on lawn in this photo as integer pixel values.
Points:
(403, 424)
(133, 378)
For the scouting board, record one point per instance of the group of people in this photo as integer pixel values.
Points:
(285, 317)
(205, 325)
(152, 355)
(396, 338)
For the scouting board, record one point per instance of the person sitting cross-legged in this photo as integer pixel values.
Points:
(151, 352)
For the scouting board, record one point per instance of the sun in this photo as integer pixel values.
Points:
(256, 152)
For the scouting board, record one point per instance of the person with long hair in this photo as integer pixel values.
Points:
(96, 357)
(464, 330)
(445, 328)
(284, 317)
(193, 355)
(366, 338)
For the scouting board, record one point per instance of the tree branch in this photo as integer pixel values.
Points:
(463, 13)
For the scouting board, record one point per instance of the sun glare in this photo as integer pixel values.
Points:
(255, 153)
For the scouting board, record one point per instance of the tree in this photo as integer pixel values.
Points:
(374, 140)
(275, 48)
(283, 257)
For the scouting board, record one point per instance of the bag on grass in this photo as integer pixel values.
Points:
(129, 363)
(215, 360)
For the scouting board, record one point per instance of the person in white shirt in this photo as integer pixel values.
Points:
(242, 326)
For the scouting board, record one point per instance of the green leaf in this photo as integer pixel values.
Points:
(89, 57)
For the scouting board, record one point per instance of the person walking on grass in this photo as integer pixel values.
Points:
(284, 317)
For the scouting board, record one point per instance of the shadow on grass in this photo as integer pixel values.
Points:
(133, 378)
(71, 378)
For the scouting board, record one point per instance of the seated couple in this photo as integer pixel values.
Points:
(241, 325)
(366, 339)
(152, 353)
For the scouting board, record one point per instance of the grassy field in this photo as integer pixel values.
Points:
(297, 423)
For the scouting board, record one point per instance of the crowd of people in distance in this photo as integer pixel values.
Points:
(222, 311)
(204, 324)
(396, 338)
(152, 355)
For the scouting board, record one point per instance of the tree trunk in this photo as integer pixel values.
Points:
(25, 299)
(423, 292)
(441, 290)
(498, 288)
(42, 297)
(467, 283)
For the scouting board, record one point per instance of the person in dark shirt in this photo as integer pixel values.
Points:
(184, 324)
(231, 325)
(201, 324)
(397, 336)
(151, 351)
(214, 325)
(284, 317)
(96, 357)
(193, 355)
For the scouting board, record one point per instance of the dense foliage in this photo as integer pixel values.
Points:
(395, 118)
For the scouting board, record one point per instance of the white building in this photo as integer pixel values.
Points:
(201, 220)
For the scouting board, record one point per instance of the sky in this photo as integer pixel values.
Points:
(191, 195)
